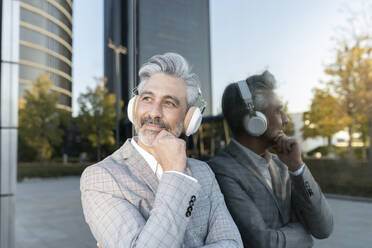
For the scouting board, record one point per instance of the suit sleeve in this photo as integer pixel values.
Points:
(311, 206)
(253, 228)
(115, 222)
(222, 230)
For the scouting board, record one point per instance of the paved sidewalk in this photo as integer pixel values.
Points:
(49, 215)
(352, 225)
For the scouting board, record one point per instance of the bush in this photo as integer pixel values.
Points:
(31, 170)
(324, 150)
(359, 153)
(342, 177)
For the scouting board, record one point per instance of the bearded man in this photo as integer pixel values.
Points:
(273, 198)
(148, 193)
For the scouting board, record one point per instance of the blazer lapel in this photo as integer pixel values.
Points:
(137, 164)
(247, 162)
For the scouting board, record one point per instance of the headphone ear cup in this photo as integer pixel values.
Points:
(192, 121)
(132, 105)
(255, 125)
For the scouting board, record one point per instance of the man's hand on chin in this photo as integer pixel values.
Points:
(288, 150)
(169, 151)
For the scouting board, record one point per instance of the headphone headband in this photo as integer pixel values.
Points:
(245, 94)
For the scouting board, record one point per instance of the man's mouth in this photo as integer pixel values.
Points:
(153, 127)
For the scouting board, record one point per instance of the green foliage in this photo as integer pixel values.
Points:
(350, 81)
(325, 117)
(346, 103)
(96, 118)
(341, 177)
(39, 120)
(32, 170)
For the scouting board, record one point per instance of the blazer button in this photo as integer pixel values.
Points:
(310, 192)
(193, 198)
(188, 214)
(189, 209)
(191, 203)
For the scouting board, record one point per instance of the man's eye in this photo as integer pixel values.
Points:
(170, 104)
(146, 99)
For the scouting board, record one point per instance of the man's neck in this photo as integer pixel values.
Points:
(143, 146)
(256, 144)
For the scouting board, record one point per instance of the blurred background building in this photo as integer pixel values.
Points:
(156, 27)
(46, 46)
(9, 23)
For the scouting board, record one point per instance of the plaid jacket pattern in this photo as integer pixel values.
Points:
(125, 205)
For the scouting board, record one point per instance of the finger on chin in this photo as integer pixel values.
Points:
(163, 133)
(288, 146)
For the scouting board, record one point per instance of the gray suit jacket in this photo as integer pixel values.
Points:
(263, 215)
(125, 205)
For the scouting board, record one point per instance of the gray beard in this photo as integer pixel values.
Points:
(148, 139)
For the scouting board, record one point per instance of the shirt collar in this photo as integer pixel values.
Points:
(257, 159)
(151, 161)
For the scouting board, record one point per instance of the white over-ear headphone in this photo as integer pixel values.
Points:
(254, 122)
(192, 120)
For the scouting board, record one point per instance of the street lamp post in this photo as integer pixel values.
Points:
(117, 85)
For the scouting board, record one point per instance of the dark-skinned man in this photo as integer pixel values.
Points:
(273, 198)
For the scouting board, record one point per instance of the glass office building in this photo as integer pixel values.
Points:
(46, 46)
(155, 27)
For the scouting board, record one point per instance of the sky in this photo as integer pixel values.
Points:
(87, 59)
(292, 39)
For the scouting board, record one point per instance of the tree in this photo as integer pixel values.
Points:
(39, 118)
(325, 117)
(351, 78)
(96, 118)
(350, 73)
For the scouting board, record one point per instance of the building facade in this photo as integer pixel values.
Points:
(9, 33)
(45, 46)
(155, 27)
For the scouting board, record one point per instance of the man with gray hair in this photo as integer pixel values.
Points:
(148, 193)
(273, 199)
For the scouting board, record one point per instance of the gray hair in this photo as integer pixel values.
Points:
(174, 65)
(258, 85)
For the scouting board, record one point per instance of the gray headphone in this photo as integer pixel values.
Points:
(254, 122)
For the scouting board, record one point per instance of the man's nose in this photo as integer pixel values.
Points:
(156, 110)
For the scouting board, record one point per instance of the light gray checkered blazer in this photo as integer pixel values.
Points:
(125, 205)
